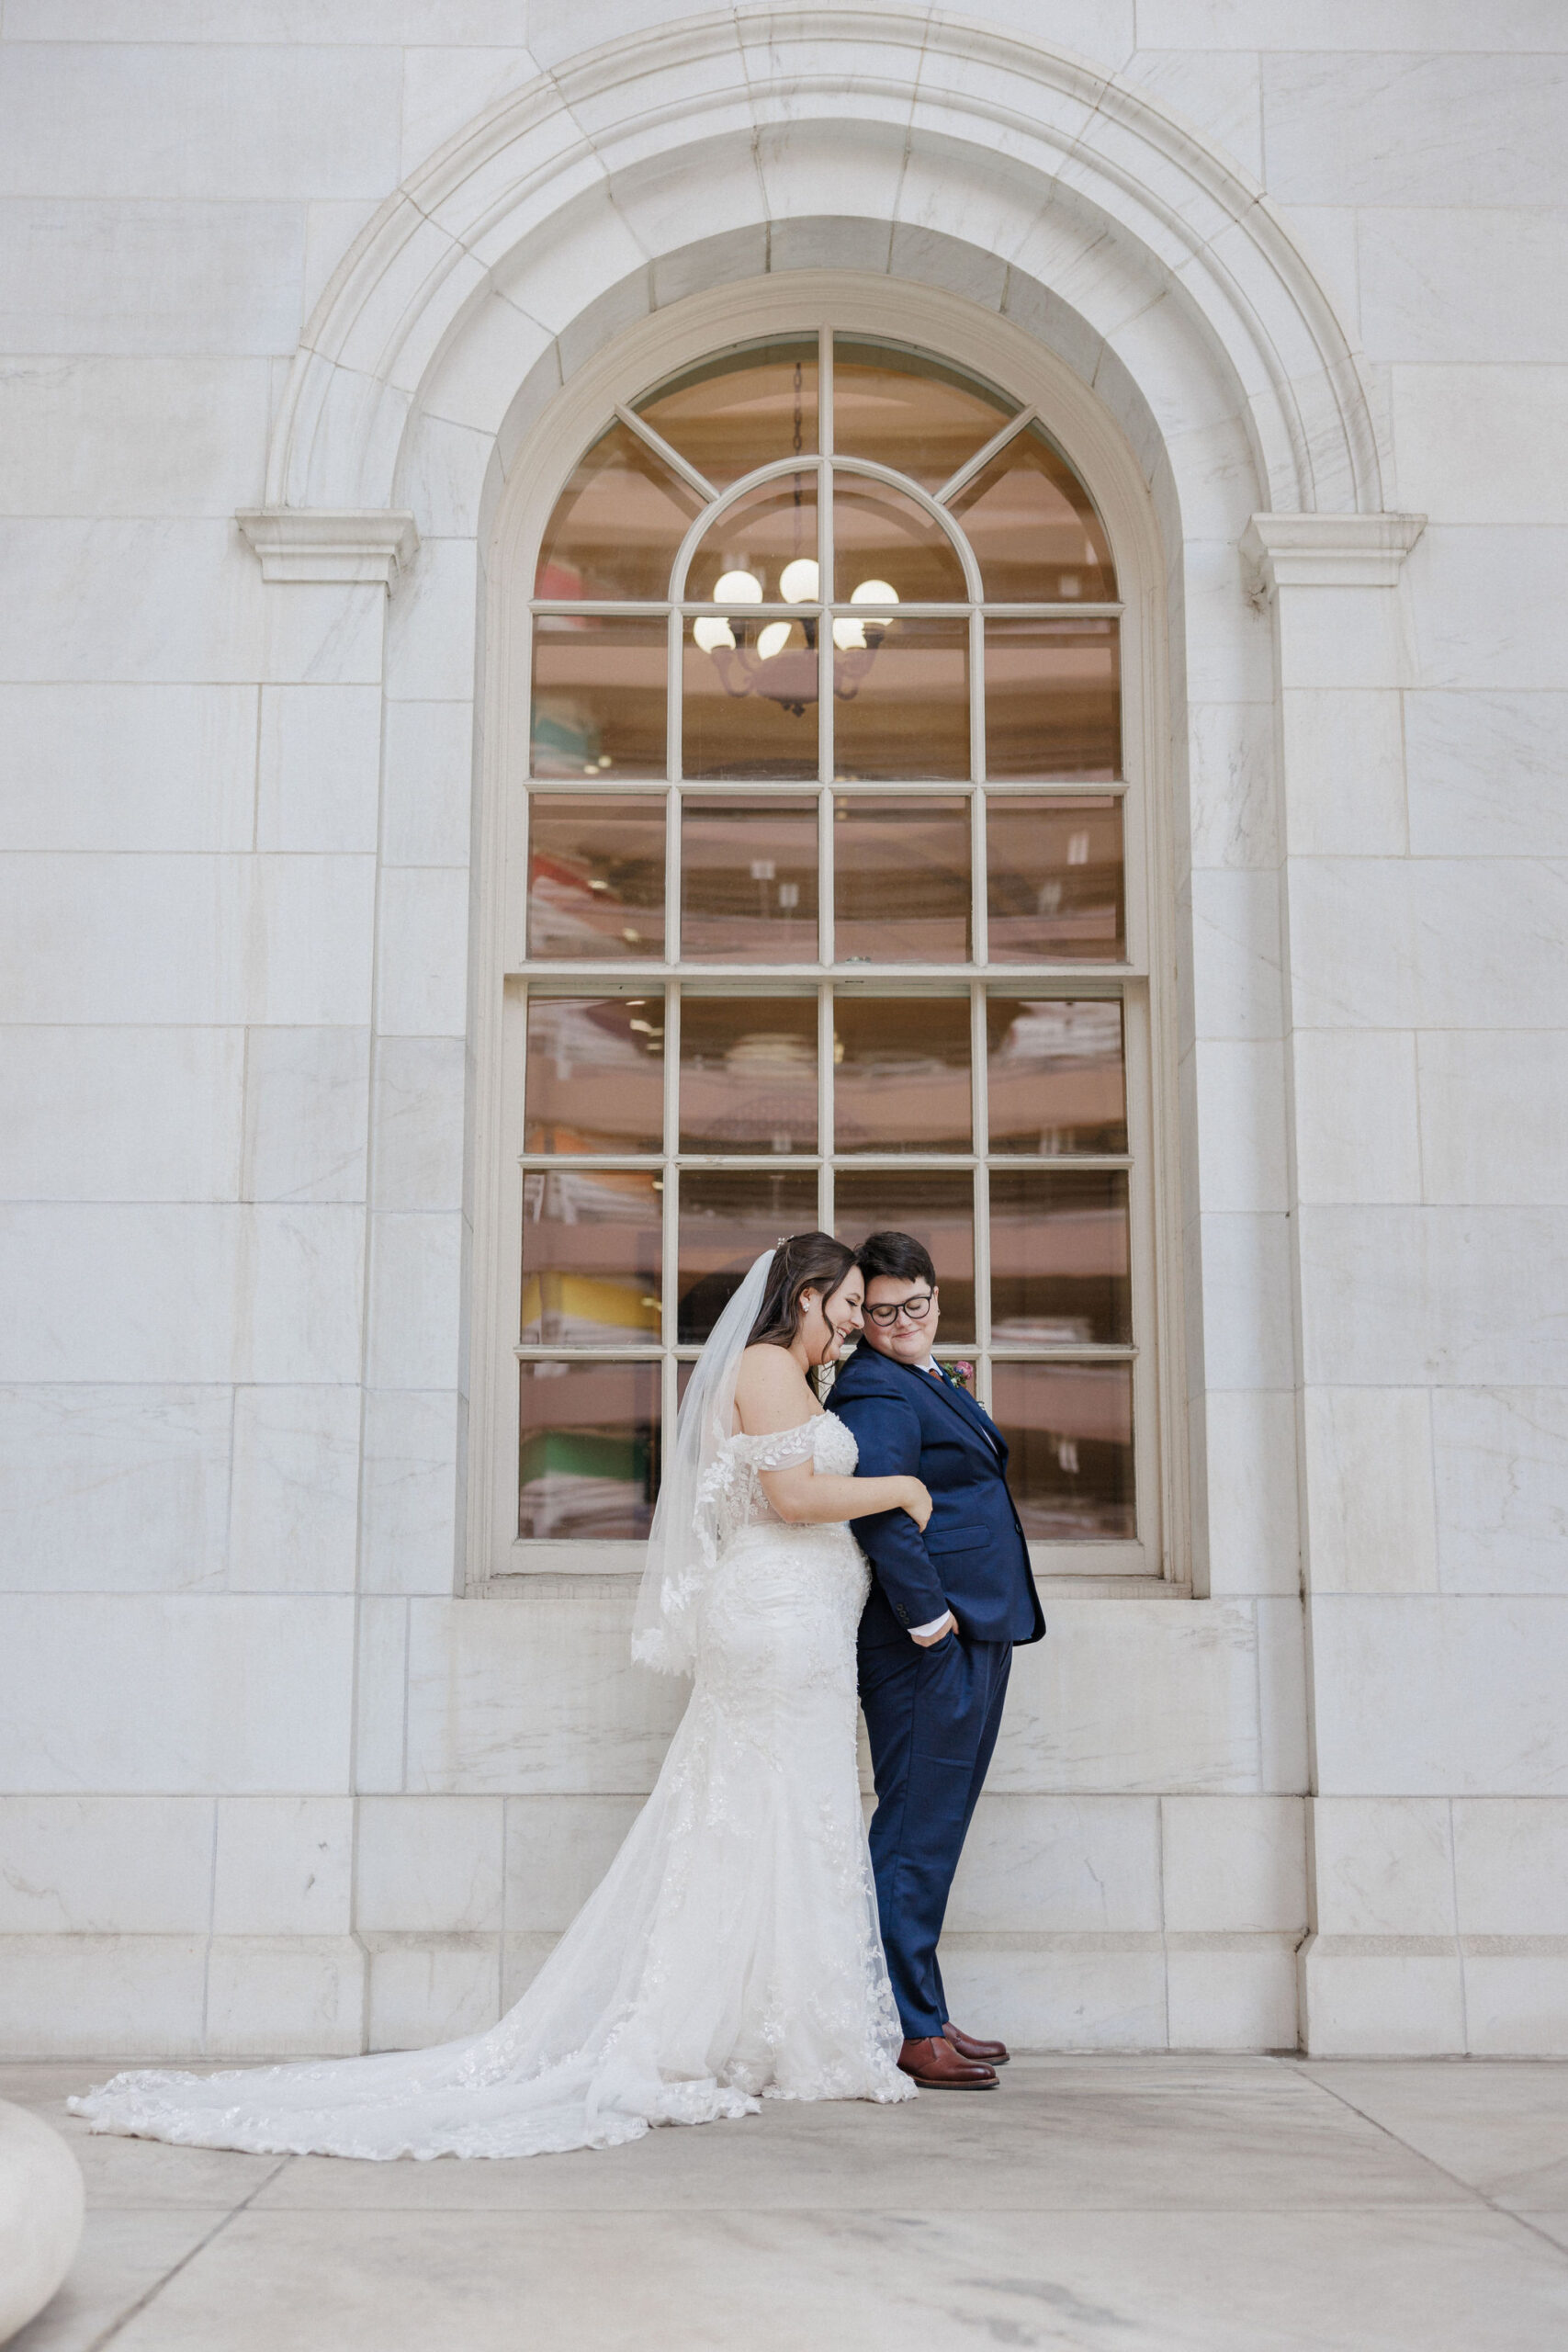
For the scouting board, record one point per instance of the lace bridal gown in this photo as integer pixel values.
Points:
(730, 1953)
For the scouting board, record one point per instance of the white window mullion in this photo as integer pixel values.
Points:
(670, 1236)
(673, 875)
(979, 905)
(825, 1105)
(826, 948)
(672, 693)
(980, 1098)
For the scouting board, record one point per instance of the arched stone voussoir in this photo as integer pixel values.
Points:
(631, 155)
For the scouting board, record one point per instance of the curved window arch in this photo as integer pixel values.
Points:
(832, 917)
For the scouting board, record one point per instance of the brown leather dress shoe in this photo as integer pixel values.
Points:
(936, 2065)
(985, 2053)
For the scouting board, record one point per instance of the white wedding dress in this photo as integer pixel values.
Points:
(731, 1952)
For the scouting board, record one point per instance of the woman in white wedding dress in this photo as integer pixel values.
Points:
(731, 1952)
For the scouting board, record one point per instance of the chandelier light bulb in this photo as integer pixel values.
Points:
(773, 639)
(797, 582)
(711, 634)
(849, 636)
(738, 588)
(874, 591)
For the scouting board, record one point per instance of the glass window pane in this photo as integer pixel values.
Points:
(616, 525)
(900, 698)
(883, 538)
(748, 1073)
(901, 884)
(1031, 524)
(901, 1074)
(1053, 698)
(1056, 1077)
(599, 686)
(1054, 880)
(727, 1221)
(1059, 1257)
(747, 715)
(746, 410)
(749, 881)
(588, 1451)
(591, 1258)
(767, 537)
(595, 1074)
(908, 411)
(595, 876)
(934, 1204)
(1069, 1433)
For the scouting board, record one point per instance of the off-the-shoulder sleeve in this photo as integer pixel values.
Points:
(780, 1448)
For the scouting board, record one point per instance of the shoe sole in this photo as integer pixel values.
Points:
(927, 2083)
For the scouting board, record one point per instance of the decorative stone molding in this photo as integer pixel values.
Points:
(1329, 550)
(331, 546)
(559, 165)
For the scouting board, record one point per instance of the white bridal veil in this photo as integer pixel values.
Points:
(682, 1543)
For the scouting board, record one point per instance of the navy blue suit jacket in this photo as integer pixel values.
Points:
(972, 1558)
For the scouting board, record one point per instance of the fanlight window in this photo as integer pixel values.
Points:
(829, 920)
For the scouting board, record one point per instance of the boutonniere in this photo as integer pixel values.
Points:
(962, 1376)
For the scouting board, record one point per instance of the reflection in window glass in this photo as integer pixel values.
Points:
(938, 1207)
(591, 1258)
(746, 409)
(588, 1451)
(616, 525)
(1060, 1274)
(901, 1074)
(884, 540)
(901, 881)
(750, 705)
(727, 1221)
(905, 410)
(749, 881)
(1053, 698)
(901, 698)
(769, 539)
(1054, 880)
(748, 1073)
(1069, 1434)
(1056, 1079)
(599, 686)
(1029, 520)
(595, 1074)
(595, 876)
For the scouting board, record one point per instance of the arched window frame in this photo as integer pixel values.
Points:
(949, 330)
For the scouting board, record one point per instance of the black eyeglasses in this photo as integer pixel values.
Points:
(916, 1308)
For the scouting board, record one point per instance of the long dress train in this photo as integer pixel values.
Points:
(731, 1952)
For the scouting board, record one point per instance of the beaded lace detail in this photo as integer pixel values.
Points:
(729, 1954)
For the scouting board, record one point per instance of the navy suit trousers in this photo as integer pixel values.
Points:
(932, 1717)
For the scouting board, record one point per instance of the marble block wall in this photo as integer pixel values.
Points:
(273, 1779)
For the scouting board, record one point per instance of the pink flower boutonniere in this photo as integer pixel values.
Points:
(963, 1373)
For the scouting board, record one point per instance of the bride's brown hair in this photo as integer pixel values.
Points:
(805, 1262)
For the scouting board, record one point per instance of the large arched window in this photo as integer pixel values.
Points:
(833, 917)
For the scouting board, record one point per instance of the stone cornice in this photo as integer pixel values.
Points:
(331, 546)
(1062, 128)
(1329, 550)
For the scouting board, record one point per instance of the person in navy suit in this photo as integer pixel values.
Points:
(936, 1639)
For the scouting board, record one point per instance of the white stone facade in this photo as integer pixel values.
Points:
(292, 301)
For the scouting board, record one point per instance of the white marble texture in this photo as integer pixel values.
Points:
(1501, 1457)
(1370, 1509)
(114, 1487)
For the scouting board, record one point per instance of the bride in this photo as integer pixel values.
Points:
(731, 1950)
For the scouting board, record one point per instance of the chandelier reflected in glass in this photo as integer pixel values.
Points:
(766, 662)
